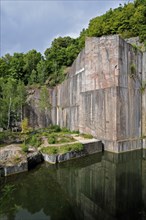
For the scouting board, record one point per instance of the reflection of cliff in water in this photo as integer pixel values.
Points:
(99, 187)
(144, 181)
(110, 188)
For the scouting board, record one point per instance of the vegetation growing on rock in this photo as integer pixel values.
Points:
(63, 148)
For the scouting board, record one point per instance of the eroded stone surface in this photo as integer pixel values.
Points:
(11, 154)
(102, 95)
(13, 160)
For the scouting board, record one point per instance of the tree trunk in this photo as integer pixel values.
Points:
(21, 113)
(9, 113)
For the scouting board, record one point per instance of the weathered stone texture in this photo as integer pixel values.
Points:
(102, 94)
(144, 100)
(37, 117)
(101, 56)
(129, 93)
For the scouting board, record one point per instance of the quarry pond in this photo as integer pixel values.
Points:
(101, 186)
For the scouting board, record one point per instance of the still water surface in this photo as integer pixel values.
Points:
(99, 187)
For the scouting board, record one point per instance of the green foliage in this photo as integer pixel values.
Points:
(3, 136)
(61, 54)
(63, 149)
(75, 132)
(59, 138)
(54, 128)
(9, 136)
(44, 102)
(52, 139)
(16, 66)
(88, 136)
(132, 71)
(65, 130)
(25, 147)
(7, 200)
(24, 125)
(34, 140)
(143, 87)
(128, 21)
(31, 60)
(12, 99)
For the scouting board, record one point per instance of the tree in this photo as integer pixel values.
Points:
(9, 99)
(12, 99)
(16, 66)
(21, 98)
(31, 59)
(62, 53)
(33, 77)
(4, 67)
(44, 102)
(42, 73)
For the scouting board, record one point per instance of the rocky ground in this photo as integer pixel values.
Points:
(20, 152)
(11, 154)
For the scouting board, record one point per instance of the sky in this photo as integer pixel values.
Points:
(27, 25)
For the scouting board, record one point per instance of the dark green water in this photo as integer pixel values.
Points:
(99, 187)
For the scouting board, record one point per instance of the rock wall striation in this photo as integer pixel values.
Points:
(102, 94)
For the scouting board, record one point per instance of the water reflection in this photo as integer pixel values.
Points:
(107, 189)
(100, 187)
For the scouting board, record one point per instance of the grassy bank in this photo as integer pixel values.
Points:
(62, 149)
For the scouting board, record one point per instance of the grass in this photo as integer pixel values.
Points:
(63, 149)
(53, 133)
(88, 136)
(17, 159)
(59, 138)
(24, 147)
(9, 136)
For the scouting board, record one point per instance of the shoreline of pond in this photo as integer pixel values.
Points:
(29, 161)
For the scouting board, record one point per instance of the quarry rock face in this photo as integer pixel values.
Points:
(102, 94)
(37, 117)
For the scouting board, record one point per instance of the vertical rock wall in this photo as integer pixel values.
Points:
(102, 95)
(144, 100)
(37, 117)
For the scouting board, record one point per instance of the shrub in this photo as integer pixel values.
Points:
(34, 141)
(63, 149)
(54, 128)
(75, 132)
(52, 139)
(50, 150)
(65, 130)
(24, 147)
(24, 125)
